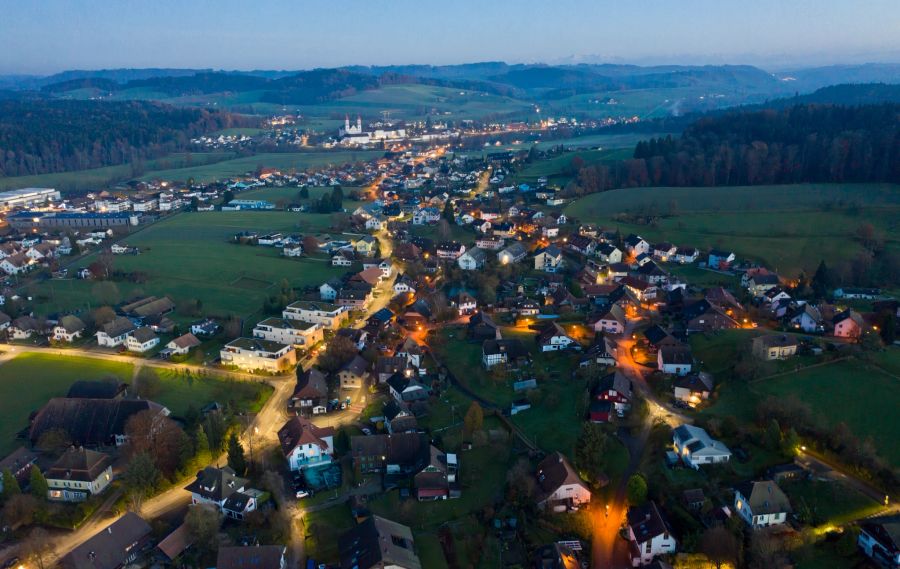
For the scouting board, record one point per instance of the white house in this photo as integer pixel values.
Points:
(78, 475)
(675, 360)
(554, 338)
(224, 489)
(512, 254)
(650, 534)
(305, 445)
(761, 503)
(183, 344)
(560, 489)
(253, 354)
(879, 540)
(549, 259)
(472, 260)
(115, 333)
(289, 331)
(328, 315)
(636, 245)
(141, 340)
(68, 329)
(696, 448)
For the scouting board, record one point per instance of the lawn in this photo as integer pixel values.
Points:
(789, 227)
(828, 503)
(49, 375)
(323, 528)
(280, 160)
(191, 255)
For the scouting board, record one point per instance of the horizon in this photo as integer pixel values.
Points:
(55, 36)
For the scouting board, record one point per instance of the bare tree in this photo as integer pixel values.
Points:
(720, 546)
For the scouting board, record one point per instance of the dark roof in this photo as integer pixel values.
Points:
(119, 326)
(79, 464)
(101, 389)
(695, 382)
(18, 459)
(311, 384)
(109, 548)
(553, 472)
(402, 448)
(885, 530)
(676, 355)
(655, 334)
(216, 484)
(764, 497)
(378, 542)
(88, 421)
(617, 381)
(250, 557)
(512, 348)
(647, 522)
(298, 431)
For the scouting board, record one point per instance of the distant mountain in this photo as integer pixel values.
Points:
(806, 80)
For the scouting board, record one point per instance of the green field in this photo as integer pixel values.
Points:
(190, 255)
(831, 503)
(280, 160)
(791, 228)
(49, 375)
(557, 169)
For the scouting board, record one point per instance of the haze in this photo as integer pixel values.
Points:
(54, 35)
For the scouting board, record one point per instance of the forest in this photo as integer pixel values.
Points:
(804, 143)
(45, 136)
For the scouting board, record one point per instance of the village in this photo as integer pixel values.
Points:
(475, 353)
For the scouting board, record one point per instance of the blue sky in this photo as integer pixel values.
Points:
(44, 36)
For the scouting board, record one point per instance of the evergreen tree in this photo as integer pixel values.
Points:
(227, 196)
(37, 483)
(337, 199)
(822, 280)
(636, 490)
(590, 450)
(449, 214)
(10, 485)
(236, 458)
(304, 193)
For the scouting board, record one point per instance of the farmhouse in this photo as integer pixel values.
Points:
(494, 352)
(90, 422)
(437, 479)
(251, 354)
(69, 329)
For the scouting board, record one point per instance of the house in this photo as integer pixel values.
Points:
(482, 327)
(206, 327)
(366, 246)
(22, 328)
(472, 260)
(117, 545)
(378, 543)
(78, 474)
(848, 324)
(224, 489)
(807, 318)
(376, 223)
(560, 489)
(352, 374)
(494, 352)
(90, 422)
(879, 539)
(581, 244)
(405, 389)
(466, 303)
(437, 479)
(553, 338)
(115, 333)
(696, 448)
(305, 445)
(548, 259)
(636, 245)
(609, 253)
(401, 453)
(342, 259)
(311, 393)
(720, 260)
(252, 557)
(686, 255)
(610, 322)
(289, 331)
(760, 283)
(354, 297)
(616, 388)
(328, 290)
(649, 534)
(330, 316)
(411, 351)
(182, 344)
(19, 463)
(775, 346)
(489, 242)
(602, 352)
(69, 329)
(704, 316)
(512, 254)
(141, 340)
(642, 290)
(664, 251)
(693, 387)
(449, 250)
(252, 354)
(295, 250)
(761, 503)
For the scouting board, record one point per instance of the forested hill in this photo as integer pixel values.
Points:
(805, 143)
(44, 136)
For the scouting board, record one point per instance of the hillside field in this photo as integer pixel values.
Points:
(191, 255)
(791, 228)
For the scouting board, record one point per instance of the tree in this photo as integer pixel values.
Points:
(589, 452)
(474, 419)
(195, 203)
(304, 193)
(37, 548)
(106, 292)
(337, 199)
(103, 315)
(790, 443)
(215, 428)
(227, 196)
(823, 280)
(147, 384)
(636, 490)
(773, 435)
(10, 485)
(520, 483)
(19, 510)
(159, 436)
(203, 521)
(720, 546)
(236, 459)
(339, 351)
(37, 484)
(310, 245)
(141, 477)
(448, 213)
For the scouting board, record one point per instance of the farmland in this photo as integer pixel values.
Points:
(190, 256)
(48, 376)
(791, 228)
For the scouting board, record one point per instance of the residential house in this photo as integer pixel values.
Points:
(19, 463)
(494, 352)
(450, 250)
(305, 445)
(68, 329)
(252, 557)
(848, 324)
(616, 388)
(355, 297)
(330, 316)
(328, 290)
(642, 290)
(115, 546)
(602, 352)
(472, 260)
(466, 303)
(489, 243)
(664, 251)
(482, 327)
(115, 333)
(560, 489)
(141, 340)
(610, 322)
(554, 338)
(879, 539)
(378, 543)
(396, 454)
(762, 282)
(686, 255)
(405, 285)
(311, 393)
(224, 489)
(366, 246)
(696, 448)
(252, 354)
(704, 316)
(720, 260)
(514, 253)
(182, 345)
(23, 327)
(548, 259)
(609, 253)
(78, 474)
(649, 534)
(206, 327)
(775, 346)
(437, 479)
(405, 389)
(289, 331)
(693, 387)
(352, 374)
(807, 318)
(636, 245)
(761, 503)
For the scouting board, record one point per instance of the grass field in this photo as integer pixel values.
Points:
(280, 160)
(100, 177)
(49, 375)
(557, 169)
(789, 227)
(190, 256)
(830, 503)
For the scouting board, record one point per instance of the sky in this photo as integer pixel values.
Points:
(47, 36)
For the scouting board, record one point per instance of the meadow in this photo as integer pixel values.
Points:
(192, 256)
(791, 228)
(50, 375)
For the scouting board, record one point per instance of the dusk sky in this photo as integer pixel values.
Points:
(45, 36)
